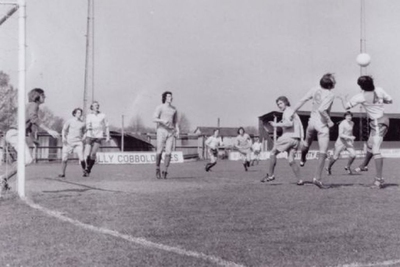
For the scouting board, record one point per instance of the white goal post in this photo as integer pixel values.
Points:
(21, 96)
(20, 5)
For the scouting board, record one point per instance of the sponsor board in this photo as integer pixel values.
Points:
(135, 157)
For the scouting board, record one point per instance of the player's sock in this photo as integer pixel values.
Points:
(303, 157)
(208, 167)
(212, 165)
(379, 165)
(350, 161)
(295, 169)
(83, 164)
(331, 162)
(63, 167)
(158, 160)
(272, 164)
(321, 164)
(167, 160)
(90, 163)
(367, 159)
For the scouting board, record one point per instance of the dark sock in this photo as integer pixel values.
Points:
(304, 152)
(83, 165)
(212, 165)
(367, 159)
(351, 159)
(331, 162)
(158, 160)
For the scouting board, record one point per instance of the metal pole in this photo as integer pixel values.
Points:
(21, 98)
(275, 130)
(86, 80)
(122, 135)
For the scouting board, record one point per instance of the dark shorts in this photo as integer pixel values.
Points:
(91, 141)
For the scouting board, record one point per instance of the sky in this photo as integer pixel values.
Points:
(225, 59)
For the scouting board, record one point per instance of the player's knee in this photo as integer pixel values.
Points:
(377, 155)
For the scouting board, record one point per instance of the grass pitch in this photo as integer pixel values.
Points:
(226, 213)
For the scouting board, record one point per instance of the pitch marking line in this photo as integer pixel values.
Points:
(136, 240)
(383, 263)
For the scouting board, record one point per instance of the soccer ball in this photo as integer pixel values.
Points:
(363, 59)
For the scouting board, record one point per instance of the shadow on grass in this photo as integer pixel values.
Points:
(68, 190)
(359, 185)
(86, 187)
(181, 178)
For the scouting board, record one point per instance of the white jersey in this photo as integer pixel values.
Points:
(291, 124)
(213, 142)
(322, 100)
(243, 141)
(346, 130)
(374, 108)
(256, 146)
(96, 125)
(73, 130)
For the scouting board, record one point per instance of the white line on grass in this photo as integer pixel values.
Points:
(383, 263)
(136, 240)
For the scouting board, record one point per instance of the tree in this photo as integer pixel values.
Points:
(8, 103)
(184, 123)
(49, 119)
(9, 110)
(136, 125)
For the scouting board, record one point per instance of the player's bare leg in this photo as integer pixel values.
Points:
(158, 163)
(295, 167)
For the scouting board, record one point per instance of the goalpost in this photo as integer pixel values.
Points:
(21, 96)
(20, 5)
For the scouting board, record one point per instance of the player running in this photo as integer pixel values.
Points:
(166, 117)
(345, 141)
(373, 99)
(243, 145)
(318, 123)
(213, 142)
(256, 148)
(72, 138)
(289, 141)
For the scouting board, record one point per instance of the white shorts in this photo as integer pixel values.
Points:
(165, 138)
(76, 147)
(12, 139)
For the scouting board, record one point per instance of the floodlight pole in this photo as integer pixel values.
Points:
(122, 135)
(21, 97)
